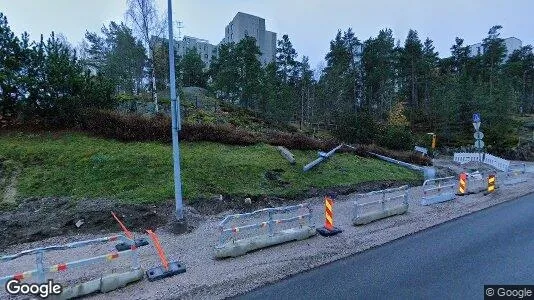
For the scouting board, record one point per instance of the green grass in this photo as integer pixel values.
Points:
(72, 164)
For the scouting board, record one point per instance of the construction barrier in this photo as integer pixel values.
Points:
(272, 226)
(462, 184)
(381, 204)
(515, 174)
(329, 229)
(491, 184)
(41, 270)
(438, 190)
(463, 158)
(496, 162)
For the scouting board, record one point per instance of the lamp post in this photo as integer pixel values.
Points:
(176, 126)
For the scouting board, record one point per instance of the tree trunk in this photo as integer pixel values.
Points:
(413, 87)
(302, 108)
(153, 75)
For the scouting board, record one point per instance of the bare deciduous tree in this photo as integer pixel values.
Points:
(147, 24)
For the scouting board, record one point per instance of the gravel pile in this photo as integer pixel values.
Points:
(207, 278)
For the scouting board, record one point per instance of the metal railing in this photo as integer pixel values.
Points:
(231, 232)
(515, 174)
(382, 201)
(438, 190)
(42, 270)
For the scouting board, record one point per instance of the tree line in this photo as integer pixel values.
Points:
(368, 89)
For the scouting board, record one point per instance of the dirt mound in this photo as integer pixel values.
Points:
(37, 219)
(223, 203)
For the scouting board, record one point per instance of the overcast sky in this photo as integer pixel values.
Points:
(310, 24)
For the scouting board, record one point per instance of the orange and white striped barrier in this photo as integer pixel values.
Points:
(329, 229)
(462, 186)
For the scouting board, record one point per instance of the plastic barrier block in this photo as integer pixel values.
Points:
(158, 273)
(138, 243)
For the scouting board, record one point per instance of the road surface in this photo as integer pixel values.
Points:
(451, 261)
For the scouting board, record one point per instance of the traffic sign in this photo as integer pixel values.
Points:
(477, 126)
(479, 144)
(478, 135)
(476, 118)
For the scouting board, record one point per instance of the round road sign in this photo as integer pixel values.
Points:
(478, 135)
(479, 144)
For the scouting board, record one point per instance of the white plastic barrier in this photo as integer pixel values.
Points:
(497, 162)
(438, 190)
(381, 204)
(476, 183)
(515, 174)
(463, 157)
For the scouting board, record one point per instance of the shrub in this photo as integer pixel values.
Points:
(355, 128)
(297, 141)
(396, 138)
(139, 128)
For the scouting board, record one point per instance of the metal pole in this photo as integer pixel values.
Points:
(176, 126)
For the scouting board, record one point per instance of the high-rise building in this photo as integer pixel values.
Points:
(248, 25)
(242, 25)
(511, 44)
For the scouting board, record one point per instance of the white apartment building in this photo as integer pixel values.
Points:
(248, 25)
(203, 47)
(511, 44)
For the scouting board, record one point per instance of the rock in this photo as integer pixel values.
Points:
(248, 201)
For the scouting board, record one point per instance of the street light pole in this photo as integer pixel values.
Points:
(176, 126)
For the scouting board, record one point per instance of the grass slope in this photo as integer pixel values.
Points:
(72, 164)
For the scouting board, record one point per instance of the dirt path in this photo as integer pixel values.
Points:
(207, 278)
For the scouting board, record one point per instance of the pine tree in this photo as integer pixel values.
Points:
(192, 69)
(286, 60)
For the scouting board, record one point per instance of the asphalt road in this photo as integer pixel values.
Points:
(450, 261)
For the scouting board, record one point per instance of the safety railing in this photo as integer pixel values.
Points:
(271, 225)
(389, 202)
(438, 190)
(515, 174)
(496, 162)
(463, 157)
(42, 270)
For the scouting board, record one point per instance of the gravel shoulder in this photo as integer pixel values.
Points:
(207, 278)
